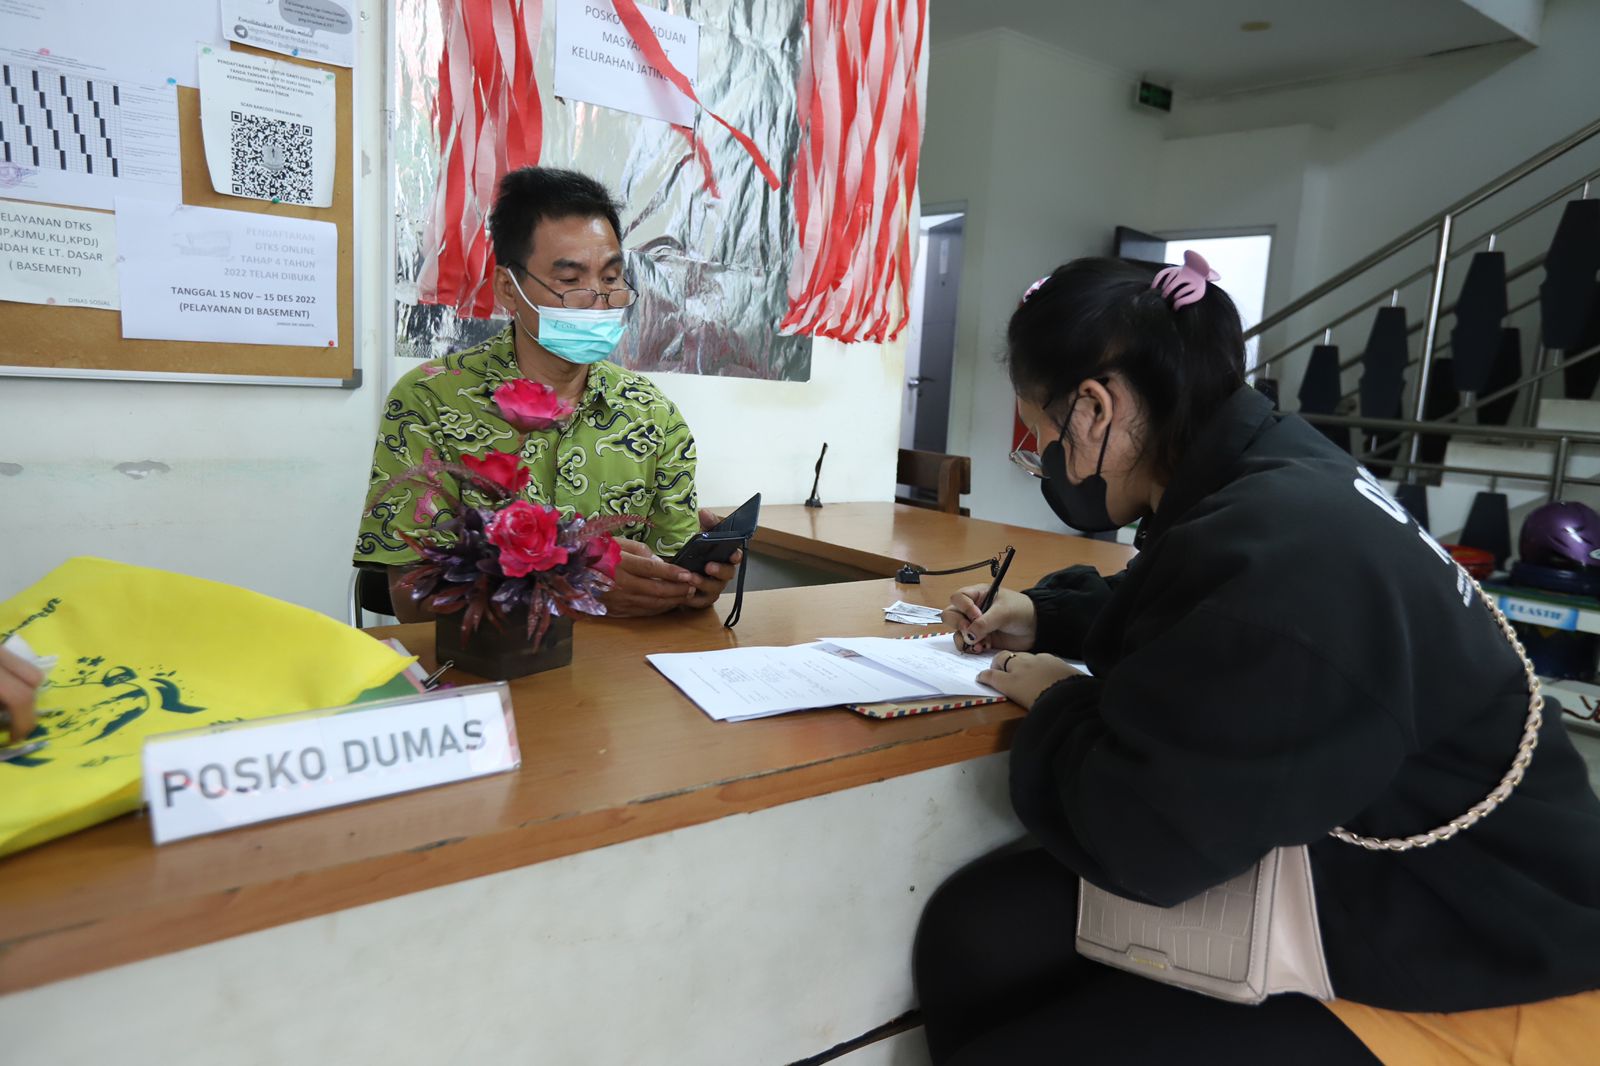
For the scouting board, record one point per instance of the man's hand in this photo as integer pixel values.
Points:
(1022, 678)
(708, 586)
(19, 680)
(646, 584)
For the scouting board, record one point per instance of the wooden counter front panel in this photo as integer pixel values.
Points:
(611, 752)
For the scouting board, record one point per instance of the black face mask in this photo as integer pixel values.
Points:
(1081, 506)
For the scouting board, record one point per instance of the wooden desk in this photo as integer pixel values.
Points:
(878, 538)
(611, 753)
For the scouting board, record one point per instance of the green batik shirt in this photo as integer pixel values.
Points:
(626, 450)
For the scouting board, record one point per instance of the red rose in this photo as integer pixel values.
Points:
(603, 554)
(526, 535)
(500, 468)
(530, 405)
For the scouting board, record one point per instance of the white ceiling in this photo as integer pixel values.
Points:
(1197, 46)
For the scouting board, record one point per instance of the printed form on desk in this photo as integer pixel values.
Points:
(736, 684)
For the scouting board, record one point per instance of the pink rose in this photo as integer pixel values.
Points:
(530, 405)
(526, 535)
(603, 554)
(499, 468)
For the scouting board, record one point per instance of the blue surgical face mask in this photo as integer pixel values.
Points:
(578, 336)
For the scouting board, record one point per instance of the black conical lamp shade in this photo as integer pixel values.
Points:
(1414, 498)
(1268, 387)
(1489, 526)
(1383, 364)
(1321, 389)
(1507, 371)
(1383, 380)
(1480, 309)
(1569, 274)
(1442, 400)
(1581, 378)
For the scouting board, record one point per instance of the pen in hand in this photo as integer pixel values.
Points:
(994, 587)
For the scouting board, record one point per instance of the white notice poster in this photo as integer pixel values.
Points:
(69, 136)
(55, 255)
(322, 30)
(156, 40)
(597, 61)
(200, 274)
(268, 127)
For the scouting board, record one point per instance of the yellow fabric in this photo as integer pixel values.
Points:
(1556, 1032)
(143, 652)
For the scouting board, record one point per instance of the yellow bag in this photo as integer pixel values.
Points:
(143, 652)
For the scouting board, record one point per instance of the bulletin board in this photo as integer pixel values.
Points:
(55, 341)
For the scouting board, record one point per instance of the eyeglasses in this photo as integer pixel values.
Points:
(583, 299)
(1030, 462)
(1028, 458)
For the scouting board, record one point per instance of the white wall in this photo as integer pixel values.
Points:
(1049, 155)
(764, 436)
(264, 485)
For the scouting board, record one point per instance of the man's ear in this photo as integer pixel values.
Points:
(505, 291)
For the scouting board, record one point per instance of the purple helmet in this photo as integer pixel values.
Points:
(1563, 536)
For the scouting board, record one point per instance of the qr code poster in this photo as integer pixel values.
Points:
(268, 127)
(271, 158)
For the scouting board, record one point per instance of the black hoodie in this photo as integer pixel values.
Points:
(1289, 652)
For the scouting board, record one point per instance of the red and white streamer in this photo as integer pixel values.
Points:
(863, 83)
(489, 122)
(656, 56)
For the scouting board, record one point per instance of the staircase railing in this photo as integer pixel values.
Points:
(1441, 229)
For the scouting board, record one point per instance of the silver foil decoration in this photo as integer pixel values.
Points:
(711, 273)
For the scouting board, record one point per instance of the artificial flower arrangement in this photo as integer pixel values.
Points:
(512, 558)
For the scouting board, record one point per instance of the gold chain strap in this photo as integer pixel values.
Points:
(1519, 766)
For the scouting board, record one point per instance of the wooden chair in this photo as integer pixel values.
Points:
(947, 477)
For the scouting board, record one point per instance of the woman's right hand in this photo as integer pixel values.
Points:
(1008, 625)
(19, 680)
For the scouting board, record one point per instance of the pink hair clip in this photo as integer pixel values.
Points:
(1035, 287)
(1186, 284)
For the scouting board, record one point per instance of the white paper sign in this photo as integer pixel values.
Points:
(73, 137)
(157, 40)
(323, 30)
(268, 127)
(597, 61)
(56, 255)
(209, 780)
(202, 274)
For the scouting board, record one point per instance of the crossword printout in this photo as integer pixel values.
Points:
(78, 138)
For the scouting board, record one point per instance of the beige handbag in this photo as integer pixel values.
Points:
(1257, 935)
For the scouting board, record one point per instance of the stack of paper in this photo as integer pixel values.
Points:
(912, 614)
(736, 684)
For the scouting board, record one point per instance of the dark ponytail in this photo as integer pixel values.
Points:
(1092, 317)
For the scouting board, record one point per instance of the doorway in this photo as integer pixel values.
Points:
(931, 335)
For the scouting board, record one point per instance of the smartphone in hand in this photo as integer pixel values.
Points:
(718, 544)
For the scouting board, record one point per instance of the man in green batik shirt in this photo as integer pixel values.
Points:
(626, 450)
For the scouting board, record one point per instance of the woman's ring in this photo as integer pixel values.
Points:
(1004, 666)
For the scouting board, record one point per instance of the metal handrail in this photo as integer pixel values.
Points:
(1422, 229)
(1442, 427)
(1557, 478)
(1439, 347)
(1410, 425)
(1528, 267)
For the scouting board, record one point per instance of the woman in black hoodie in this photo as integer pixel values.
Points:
(1288, 654)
